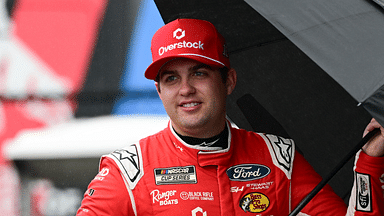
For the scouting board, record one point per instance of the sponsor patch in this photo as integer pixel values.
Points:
(200, 210)
(253, 186)
(236, 189)
(247, 172)
(179, 34)
(197, 195)
(260, 186)
(254, 202)
(91, 192)
(363, 193)
(164, 198)
(283, 149)
(175, 175)
(100, 176)
(129, 158)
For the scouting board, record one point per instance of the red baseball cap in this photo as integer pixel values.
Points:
(187, 38)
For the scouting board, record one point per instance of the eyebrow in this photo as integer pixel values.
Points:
(165, 72)
(194, 68)
(202, 65)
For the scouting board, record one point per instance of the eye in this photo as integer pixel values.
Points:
(169, 78)
(200, 73)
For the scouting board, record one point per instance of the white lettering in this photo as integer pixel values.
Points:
(258, 186)
(236, 189)
(157, 196)
(198, 209)
(241, 172)
(179, 45)
(178, 170)
(163, 198)
(169, 202)
(104, 172)
(197, 195)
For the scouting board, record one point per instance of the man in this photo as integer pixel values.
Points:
(200, 165)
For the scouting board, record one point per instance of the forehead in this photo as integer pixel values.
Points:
(180, 63)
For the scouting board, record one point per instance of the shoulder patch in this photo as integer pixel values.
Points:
(282, 151)
(130, 162)
(363, 192)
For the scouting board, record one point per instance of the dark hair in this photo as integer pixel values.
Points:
(223, 73)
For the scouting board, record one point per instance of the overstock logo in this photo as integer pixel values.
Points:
(178, 36)
(198, 209)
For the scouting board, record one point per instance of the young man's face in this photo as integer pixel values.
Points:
(194, 95)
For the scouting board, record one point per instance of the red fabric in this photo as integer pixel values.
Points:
(179, 38)
(214, 193)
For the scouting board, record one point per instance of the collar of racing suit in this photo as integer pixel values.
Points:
(209, 157)
(203, 155)
(217, 142)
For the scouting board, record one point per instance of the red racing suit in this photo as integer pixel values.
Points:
(258, 174)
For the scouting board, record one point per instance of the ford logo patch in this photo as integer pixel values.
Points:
(247, 172)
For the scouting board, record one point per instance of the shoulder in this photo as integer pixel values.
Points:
(129, 161)
(281, 150)
(268, 139)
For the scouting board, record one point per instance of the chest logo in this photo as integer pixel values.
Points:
(247, 172)
(175, 175)
(254, 202)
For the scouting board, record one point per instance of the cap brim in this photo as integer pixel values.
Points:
(154, 68)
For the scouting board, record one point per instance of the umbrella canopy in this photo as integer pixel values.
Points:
(343, 37)
(300, 72)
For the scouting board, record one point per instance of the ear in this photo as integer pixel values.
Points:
(158, 89)
(231, 80)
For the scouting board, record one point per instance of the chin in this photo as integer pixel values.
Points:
(194, 123)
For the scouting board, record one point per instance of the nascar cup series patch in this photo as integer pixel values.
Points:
(175, 175)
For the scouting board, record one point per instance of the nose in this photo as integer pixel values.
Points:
(186, 88)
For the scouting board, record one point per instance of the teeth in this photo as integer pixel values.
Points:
(190, 104)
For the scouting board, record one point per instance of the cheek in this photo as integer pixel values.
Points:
(167, 98)
(220, 92)
(218, 97)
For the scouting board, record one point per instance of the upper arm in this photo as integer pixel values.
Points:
(107, 193)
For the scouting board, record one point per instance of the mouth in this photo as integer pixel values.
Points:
(188, 105)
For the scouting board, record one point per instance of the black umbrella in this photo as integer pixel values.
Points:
(304, 66)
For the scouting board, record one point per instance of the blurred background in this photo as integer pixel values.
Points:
(71, 89)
